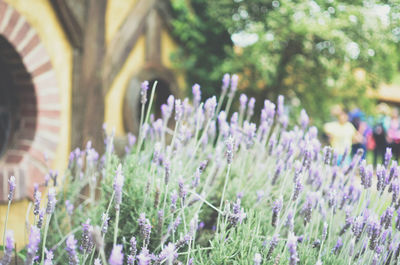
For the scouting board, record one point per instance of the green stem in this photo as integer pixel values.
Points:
(223, 195)
(103, 257)
(91, 257)
(116, 228)
(147, 116)
(5, 225)
(46, 229)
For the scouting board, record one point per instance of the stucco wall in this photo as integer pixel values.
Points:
(115, 97)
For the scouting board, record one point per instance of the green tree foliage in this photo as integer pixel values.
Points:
(321, 52)
(204, 40)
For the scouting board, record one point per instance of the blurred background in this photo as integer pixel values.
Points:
(69, 66)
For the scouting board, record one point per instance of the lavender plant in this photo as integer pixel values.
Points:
(218, 187)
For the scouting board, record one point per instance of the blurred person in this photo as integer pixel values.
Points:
(360, 140)
(380, 129)
(393, 134)
(341, 134)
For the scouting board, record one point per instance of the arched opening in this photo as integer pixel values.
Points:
(166, 86)
(163, 91)
(18, 106)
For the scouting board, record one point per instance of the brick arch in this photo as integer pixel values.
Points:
(34, 142)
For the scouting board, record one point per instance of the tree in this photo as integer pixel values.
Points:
(321, 52)
(204, 41)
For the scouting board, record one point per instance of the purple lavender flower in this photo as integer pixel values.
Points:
(395, 191)
(116, 257)
(168, 253)
(336, 249)
(230, 143)
(234, 119)
(86, 241)
(388, 156)
(49, 257)
(178, 109)
(11, 188)
(104, 223)
(174, 198)
(386, 218)
(380, 175)
(298, 187)
(36, 202)
(234, 84)
(142, 220)
(209, 106)
(9, 248)
(160, 215)
(176, 224)
(393, 173)
(332, 198)
(170, 102)
(276, 208)
(272, 245)
(132, 251)
(349, 221)
(269, 111)
(225, 82)
(374, 234)
(290, 221)
(196, 94)
(144, 257)
(357, 228)
(257, 259)
(145, 228)
(143, 91)
(167, 173)
(71, 250)
(40, 218)
(327, 155)
(68, 206)
(237, 215)
(250, 107)
(307, 209)
(304, 120)
(118, 185)
(33, 245)
(158, 127)
(196, 178)
(51, 201)
(280, 106)
(243, 102)
(131, 139)
(292, 247)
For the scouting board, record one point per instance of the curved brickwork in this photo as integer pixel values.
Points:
(34, 142)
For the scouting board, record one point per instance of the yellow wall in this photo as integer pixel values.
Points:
(115, 97)
(42, 18)
(116, 12)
